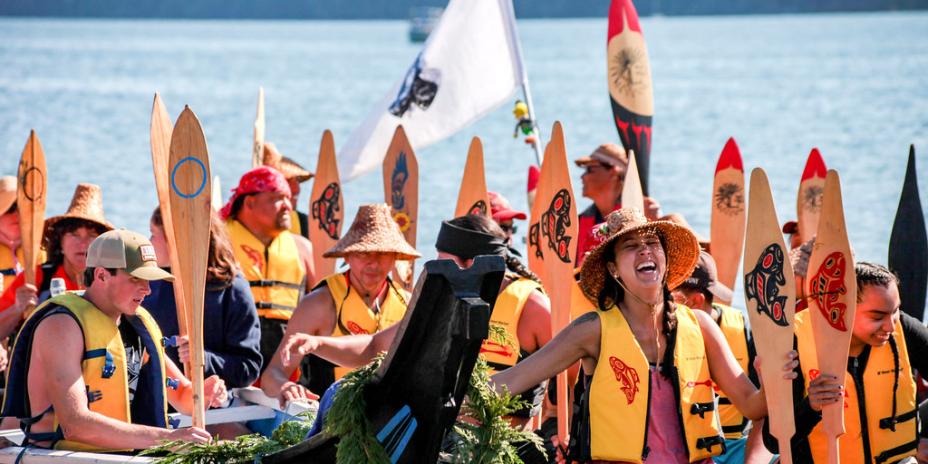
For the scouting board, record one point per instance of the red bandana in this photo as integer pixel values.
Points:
(258, 180)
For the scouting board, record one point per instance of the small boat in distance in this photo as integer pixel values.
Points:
(422, 19)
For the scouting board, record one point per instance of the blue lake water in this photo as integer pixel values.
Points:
(855, 86)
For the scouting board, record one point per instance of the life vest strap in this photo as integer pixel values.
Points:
(707, 443)
(109, 365)
(267, 305)
(274, 283)
(702, 408)
(8, 272)
(724, 401)
(892, 452)
(890, 422)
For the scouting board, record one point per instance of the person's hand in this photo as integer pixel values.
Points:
(183, 348)
(789, 368)
(297, 346)
(4, 360)
(191, 434)
(215, 392)
(652, 208)
(922, 454)
(27, 296)
(292, 391)
(825, 390)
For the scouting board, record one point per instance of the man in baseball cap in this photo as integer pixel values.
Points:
(81, 358)
(504, 215)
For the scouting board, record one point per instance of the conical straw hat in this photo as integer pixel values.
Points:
(86, 204)
(287, 166)
(7, 193)
(373, 231)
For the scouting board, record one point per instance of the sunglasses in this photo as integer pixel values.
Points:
(509, 228)
(591, 168)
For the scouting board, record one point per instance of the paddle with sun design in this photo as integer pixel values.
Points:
(770, 296)
(31, 195)
(326, 206)
(401, 189)
(190, 192)
(726, 231)
(809, 199)
(832, 288)
(472, 196)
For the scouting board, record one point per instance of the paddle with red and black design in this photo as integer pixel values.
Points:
(190, 193)
(472, 196)
(401, 189)
(908, 245)
(630, 86)
(809, 199)
(831, 284)
(770, 295)
(555, 246)
(31, 195)
(728, 214)
(326, 206)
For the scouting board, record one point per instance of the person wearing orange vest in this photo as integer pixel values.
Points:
(647, 360)
(277, 264)
(880, 408)
(295, 175)
(361, 300)
(88, 371)
(699, 291)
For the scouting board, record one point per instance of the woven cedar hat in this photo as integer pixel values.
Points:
(680, 247)
(290, 168)
(7, 193)
(86, 204)
(373, 231)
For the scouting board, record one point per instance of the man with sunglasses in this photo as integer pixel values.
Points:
(504, 215)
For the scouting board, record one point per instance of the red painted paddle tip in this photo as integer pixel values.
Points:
(534, 173)
(815, 166)
(620, 13)
(730, 157)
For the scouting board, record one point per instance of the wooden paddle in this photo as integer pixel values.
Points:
(770, 298)
(326, 206)
(257, 148)
(630, 87)
(160, 132)
(215, 198)
(832, 288)
(908, 245)
(401, 189)
(809, 200)
(632, 195)
(535, 250)
(190, 207)
(31, 194)
(558, 247)
(472, 196)
(727, 223)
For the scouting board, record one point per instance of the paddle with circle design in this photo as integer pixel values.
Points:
(31, 194)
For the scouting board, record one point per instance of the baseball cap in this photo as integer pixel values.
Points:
(501, 209)
(791, 227)
(124, 249)
(607, 153)
(705, 277)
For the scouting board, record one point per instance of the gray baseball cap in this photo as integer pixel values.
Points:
(124, 249)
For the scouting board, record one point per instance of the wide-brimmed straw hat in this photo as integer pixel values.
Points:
(86, 204)
(287, 166)
(7, 193)
(680, 248)
(373, 231)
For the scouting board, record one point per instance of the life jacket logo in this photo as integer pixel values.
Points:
(627, 376)
(255, 257)
(729, 198)
(325, 210)
(479, 208)
(704, 383)
(764, 282)
(419, 87)
(496, 348)
(356, 329)
(553, 226)
(827, 286)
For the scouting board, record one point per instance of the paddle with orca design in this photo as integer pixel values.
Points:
(556, 238)
(908, 245)
(257, 148)
(832, 288)
(630, 86)
(472, 196)
(160, 132)
(809, 199)
(770, 298)
(632, 194)
(401, 189)
(190, 207)
(31, 195)
(535, 252)
(726, 231)
(326, 206)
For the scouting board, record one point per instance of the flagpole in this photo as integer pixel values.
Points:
(507, 8)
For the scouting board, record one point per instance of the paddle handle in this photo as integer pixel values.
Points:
(562, 403)
(786, 452)
(833, 426)
(197, 371)
(833, 457)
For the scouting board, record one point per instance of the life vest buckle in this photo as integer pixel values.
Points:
(169, 341)
(172, 383)
(702, 409)
(707, 443)
(94, 395)
(109, 366)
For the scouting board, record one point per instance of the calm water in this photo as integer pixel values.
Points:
(856, 86)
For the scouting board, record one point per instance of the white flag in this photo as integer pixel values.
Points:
(467, 67)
